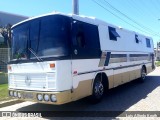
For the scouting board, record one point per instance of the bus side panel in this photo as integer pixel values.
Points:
(83, 79)
(110, 76)
(63, 75)
(117, 78)
(138, 72)
(125, 75)
(149, 68)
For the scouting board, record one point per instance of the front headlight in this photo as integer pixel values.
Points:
(40, 97)
(46, 97)
(11, 93)
(53, 98)
(15, 94)
(19, 95)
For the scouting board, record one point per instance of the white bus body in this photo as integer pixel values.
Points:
(97, 51)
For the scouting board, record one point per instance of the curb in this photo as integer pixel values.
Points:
(10, 102)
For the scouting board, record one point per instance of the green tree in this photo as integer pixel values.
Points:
(6, 33)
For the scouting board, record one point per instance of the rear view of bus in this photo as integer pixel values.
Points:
(40, 65)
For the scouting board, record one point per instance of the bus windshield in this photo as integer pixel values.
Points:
(47, 36)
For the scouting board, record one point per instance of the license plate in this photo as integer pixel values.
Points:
(28, 95)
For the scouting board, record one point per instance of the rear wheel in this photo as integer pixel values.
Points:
(97, 91)
(143, 74)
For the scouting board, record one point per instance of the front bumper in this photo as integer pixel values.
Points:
(61, 97)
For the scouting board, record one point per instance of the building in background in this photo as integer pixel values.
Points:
(9, 18)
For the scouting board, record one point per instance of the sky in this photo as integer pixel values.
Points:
(142, 16)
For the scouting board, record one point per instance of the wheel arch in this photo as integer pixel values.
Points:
(104, 79)
(144, 66)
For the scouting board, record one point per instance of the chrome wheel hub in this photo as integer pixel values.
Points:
(143, 75)
(98, 89)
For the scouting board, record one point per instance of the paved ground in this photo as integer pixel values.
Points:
(132, 96)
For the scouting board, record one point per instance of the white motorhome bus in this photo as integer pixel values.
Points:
(57, 58)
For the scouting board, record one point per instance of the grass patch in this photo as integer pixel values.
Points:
(4, 92)
(157, 63)
(2, 73)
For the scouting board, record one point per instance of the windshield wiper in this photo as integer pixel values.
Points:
(38, 58)
(34, 53)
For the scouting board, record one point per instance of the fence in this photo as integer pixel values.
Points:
(3, 78)
(4, 58)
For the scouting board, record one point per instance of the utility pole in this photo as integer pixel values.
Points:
(157, 51)
(76, 7)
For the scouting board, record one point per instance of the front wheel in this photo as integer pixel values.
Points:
(97, 91)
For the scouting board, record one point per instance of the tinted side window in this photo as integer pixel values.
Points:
(148, 44)
(85, 40)
(87, 36)
(81, 42)
(113, 34)
(136, 38)
(91, 36)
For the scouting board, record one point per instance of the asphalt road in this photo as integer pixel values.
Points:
(132, 96)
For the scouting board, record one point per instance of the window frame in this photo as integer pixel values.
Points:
(113, 34)
(137, 39)
(148, 43)
(83, 29)
(91, 48)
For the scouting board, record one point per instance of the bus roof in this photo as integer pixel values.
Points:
(90, 20)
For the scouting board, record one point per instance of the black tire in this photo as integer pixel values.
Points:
(97, 91)
(143, 75)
